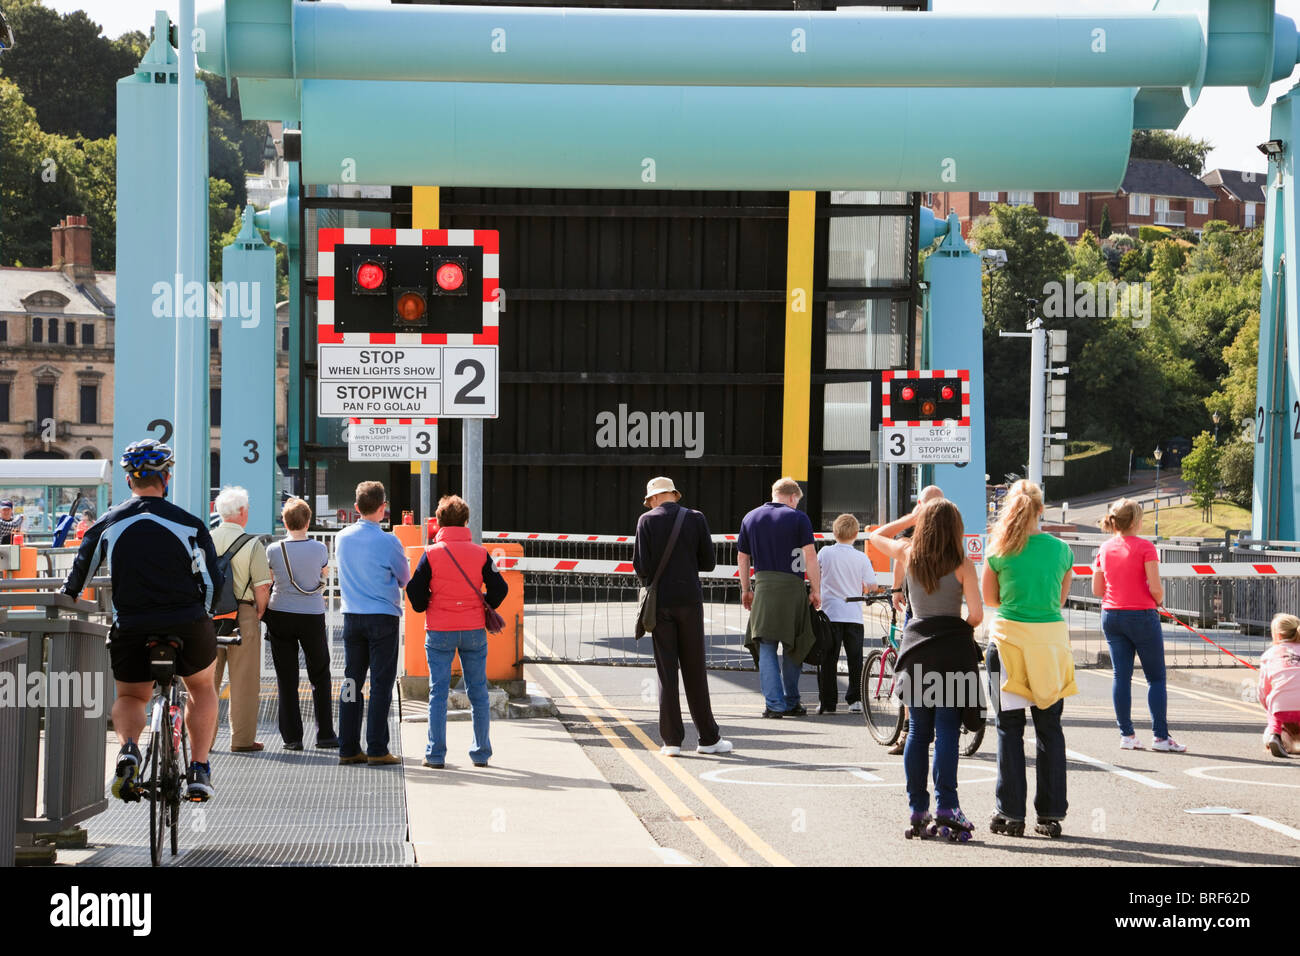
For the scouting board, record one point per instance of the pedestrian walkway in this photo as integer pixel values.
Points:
(541, 802)
(274, 808)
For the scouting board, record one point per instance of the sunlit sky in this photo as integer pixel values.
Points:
(1223, 116)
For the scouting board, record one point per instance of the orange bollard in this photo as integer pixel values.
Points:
(505, 650)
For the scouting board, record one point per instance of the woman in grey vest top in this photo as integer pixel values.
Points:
(295, 618)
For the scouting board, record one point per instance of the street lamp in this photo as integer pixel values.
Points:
(1215, 419)
(1159, 454)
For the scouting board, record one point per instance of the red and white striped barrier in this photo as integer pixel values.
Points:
(489, 536)
(730, 571)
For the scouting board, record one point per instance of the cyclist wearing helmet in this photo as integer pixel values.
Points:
(163, 567)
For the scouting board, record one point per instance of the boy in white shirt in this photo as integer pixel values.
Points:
(846, 572)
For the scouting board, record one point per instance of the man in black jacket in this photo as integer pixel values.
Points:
(679, 626)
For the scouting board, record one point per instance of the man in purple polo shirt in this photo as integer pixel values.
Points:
(776, 540)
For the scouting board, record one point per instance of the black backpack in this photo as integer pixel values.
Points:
(226, 602)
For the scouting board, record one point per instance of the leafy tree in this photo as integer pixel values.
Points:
(1035, 258)
(67, 72)
(1235, 398)
(1106, 227)
(1201, 470)
(1182, 151)
(1237, 471)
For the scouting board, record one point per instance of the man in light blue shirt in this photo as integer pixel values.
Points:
(372, 572)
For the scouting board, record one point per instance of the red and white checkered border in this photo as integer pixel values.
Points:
(327, 239)
(393, 421)
(889, 376)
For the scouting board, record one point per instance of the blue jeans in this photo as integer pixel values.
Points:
(369, 644)
(440, 647)
(942, 725)
(1129, 633)
(1049, 761)
(780, 683)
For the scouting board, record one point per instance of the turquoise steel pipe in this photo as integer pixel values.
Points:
(665, 137)
(1182, 44)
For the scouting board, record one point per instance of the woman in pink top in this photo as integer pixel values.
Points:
(1127, 579)
(1279, 686)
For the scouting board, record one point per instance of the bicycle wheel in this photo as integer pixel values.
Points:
(883, 712)
(157, 806)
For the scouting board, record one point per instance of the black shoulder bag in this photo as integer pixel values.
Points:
(647, 608)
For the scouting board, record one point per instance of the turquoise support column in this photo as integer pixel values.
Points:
(1277, 402)
(954, 338)
(248, 373)
(148, 297)
(280, 222)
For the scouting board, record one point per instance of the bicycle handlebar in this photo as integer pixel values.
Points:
(876, 596)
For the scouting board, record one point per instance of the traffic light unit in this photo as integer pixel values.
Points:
(390, 288)
(926, 400)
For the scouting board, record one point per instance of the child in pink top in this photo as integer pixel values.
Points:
(1279, 686)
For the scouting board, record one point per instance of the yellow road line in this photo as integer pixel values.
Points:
(734, 823)
(679, 809)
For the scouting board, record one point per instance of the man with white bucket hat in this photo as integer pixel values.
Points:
(678, 632)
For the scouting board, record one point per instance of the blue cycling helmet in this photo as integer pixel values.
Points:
(147, 457)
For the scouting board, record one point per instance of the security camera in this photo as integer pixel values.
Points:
(994, 258)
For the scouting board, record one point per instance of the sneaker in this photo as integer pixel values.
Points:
(855, 707)
(1130, 743)
(1168, 745)
(434, 766)
(128, 767)
(670, 751)
(200, 782)
(773, 714)
(721, 747)
(822, 709)
(798, 710)
(1273, 744)
(899, 745)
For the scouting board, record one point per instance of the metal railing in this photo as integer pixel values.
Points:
(13, 653)
(64, 643)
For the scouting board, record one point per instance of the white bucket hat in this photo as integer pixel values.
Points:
(657, 486)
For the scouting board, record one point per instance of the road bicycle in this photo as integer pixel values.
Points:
(167, 758)
(881, 709)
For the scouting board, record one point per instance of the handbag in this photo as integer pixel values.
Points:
(823, 640)
(493, 622)
(648, 606)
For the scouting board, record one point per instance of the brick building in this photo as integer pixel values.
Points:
(1154, 193)
(1239, 196)
(56, 356)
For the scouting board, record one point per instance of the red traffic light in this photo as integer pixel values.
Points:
(908, 393)
(450, 276)
(947, 393)
(370, 275)
(410, 307)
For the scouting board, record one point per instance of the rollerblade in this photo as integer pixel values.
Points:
(952, 825)
(1048, 828)
(1003, 824)
(921, 826)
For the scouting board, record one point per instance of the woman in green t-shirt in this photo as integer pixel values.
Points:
(1027, 578)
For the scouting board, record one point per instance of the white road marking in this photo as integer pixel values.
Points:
(730, 627)
(1268, 824)
(869, 779)
(672, 857)
(1204, 773)
(1111, 768)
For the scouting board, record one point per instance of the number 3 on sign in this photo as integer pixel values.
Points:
(894, 441)
(469, 388)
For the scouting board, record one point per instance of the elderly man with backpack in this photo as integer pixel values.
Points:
(241, 557)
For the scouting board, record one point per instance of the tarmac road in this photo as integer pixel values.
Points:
(820, 791)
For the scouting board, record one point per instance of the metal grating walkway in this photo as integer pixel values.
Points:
(274, 808)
